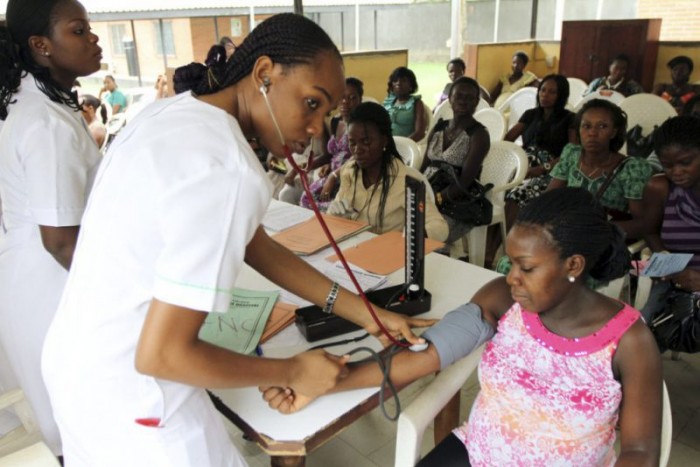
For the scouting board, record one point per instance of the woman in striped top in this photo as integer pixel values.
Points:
(672, 204)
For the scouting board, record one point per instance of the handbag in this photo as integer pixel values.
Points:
(472, 207)
(677, 326)
(639, 145)
(614, 214)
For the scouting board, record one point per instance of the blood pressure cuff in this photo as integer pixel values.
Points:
(457, 334)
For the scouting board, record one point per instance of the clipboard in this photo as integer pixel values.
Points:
(308, 238)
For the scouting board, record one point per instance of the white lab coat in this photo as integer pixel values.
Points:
(47, 164)
(177, 199)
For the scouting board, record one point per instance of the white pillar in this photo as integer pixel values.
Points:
(455, 36)
(558, 19)
(599, 10)
(495, 20)
(252, 18)
(357, 26)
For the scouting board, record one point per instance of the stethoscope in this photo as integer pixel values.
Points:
(305, 183)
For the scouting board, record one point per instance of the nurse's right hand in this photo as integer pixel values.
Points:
(316, 372)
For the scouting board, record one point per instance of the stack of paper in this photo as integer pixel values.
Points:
(308, 237)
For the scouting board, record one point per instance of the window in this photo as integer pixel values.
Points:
(117, 32)
(166, 40)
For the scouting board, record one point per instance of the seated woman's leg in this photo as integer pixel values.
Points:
(449, 453)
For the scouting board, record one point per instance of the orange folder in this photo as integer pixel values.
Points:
(308, 237)
(382, 254)
(282, 315)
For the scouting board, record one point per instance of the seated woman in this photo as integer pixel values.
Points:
(545, 130)
(461, 142)
(373, 183)
(405, 109)
(517, 79)
(561, 357)
(671, 206)
(602, 130)
(680, 90)
(90, 105)
(455, 70)
(617, 79)
(325, 187)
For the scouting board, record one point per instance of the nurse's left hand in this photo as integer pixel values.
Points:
(399, 326)
(285, 400)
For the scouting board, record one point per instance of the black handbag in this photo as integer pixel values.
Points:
(472, 207)
(639, 145)
(677, 326)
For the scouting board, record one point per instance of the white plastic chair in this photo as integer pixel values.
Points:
(429, 122)
(494, 121)
(520, 101)
(482, 105)
(26, 431)
(605, 94)
(505, 166)
(576, 89)
(36, 455)
(409, 151)
(421, 412)
(647, 111)
(370, 99)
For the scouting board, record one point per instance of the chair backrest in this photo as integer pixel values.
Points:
(370, 99)
(520, 101)
(25, 431)
(409, 151)
(576, 89)
(505, 166)
(494, 121)
(647, 111)
(605, 94)
(483, 104)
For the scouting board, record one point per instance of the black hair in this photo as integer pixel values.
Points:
(562, 90)
(459, 62)
(357, 84)
(468, 81)
(112, 78)
(522, 56)
(618, 116)
(403, 72)
(682, 131)
(680, 60)
(375, 114)
(578, 225)
(226, 40)
(23, 19)
(620, 58)
(95, 103)
(288, 39)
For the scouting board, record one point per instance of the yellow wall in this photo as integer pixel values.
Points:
(668, 50)
(546, 59)
(374, 68)
(494, 60)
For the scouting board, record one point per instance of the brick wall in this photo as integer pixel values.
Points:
(681, 18)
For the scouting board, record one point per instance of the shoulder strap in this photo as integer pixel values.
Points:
(611, 177)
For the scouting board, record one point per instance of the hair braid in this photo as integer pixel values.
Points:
(288, 40)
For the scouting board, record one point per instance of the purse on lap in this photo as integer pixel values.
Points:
(677, 326)
(472, 207)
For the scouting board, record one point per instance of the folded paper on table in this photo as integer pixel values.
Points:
(282, 316)
(383, 254)
(241, 327)
(308, 237)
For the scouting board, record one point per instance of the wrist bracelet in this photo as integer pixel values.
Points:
(330, 299)
(438, 198)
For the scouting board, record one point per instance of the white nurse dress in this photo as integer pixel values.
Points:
(47, 164)
(177, 199)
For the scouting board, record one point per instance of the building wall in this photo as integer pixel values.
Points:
(668, 50)
(681, 18)
(373, 68)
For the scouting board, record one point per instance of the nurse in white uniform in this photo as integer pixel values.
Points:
(175, 210)
(47, 163)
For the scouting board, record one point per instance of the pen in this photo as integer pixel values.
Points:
(258, 351)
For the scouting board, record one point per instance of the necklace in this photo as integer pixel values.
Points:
(595, 170)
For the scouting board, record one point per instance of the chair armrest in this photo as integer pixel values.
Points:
(422, 411)
(10, 398)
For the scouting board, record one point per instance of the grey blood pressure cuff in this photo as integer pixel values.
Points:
(457, 334)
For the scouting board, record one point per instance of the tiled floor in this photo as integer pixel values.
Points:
(370, 442)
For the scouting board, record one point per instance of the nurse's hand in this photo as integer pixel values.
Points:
(399, 326)
(316, 372)
(285, 400)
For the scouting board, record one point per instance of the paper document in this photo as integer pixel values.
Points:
(308, 237)
(665, 264)
(383, 254)
(282, 316)
(240, 328)
(281, 216)
(367, 280)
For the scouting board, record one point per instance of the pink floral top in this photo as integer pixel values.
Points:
(546, 399)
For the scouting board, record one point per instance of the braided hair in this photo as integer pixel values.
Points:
(288, 39)
(617, 115)
(578, 225)
(26, 18)
(371, 113)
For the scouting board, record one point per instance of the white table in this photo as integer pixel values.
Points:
(288, 438)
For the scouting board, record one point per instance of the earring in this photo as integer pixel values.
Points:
(572, 279)
(266, 82)
(46, 54)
